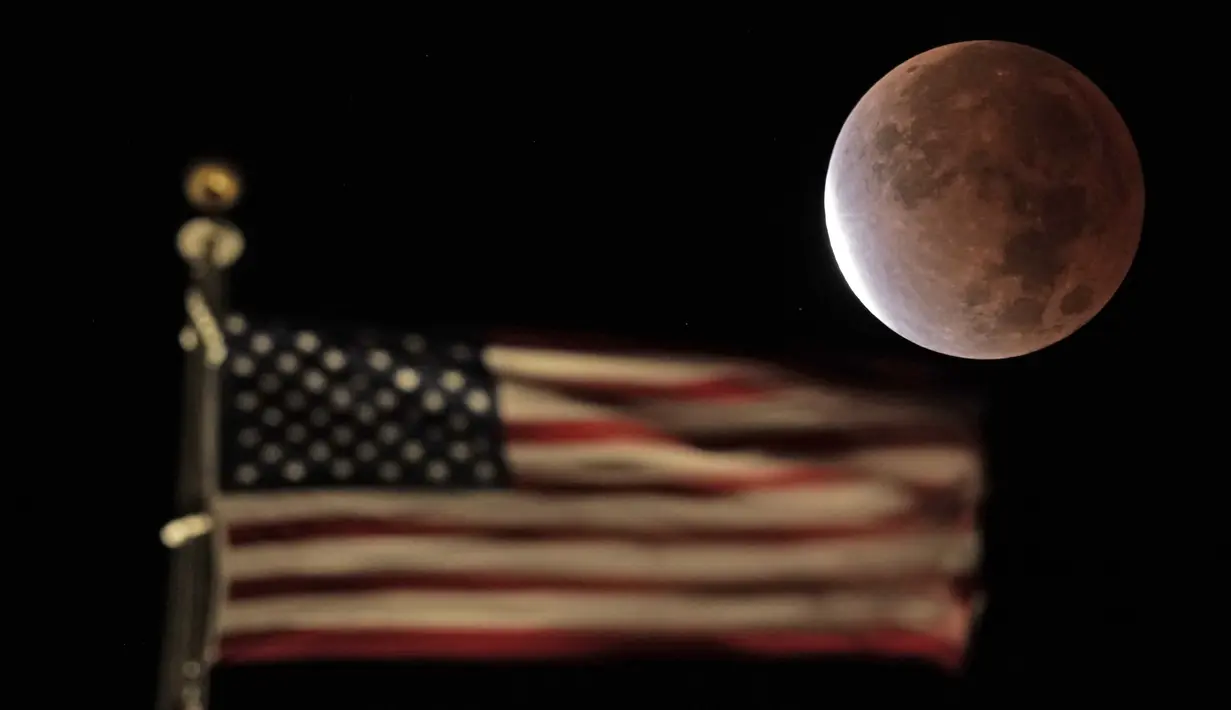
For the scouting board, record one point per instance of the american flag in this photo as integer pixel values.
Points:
(400, 496)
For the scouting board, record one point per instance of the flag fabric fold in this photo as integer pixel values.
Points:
(419, 496)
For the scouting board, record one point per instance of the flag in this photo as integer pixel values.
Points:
(421, 496)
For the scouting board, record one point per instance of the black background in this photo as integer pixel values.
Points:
(664, 180)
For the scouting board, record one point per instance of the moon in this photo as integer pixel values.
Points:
(984, 200)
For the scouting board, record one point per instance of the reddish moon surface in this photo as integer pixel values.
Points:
(984, 200)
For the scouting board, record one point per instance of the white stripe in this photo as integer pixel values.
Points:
(826, 504)
(641, 461)
(932, 465)
(563, 367)
(692, 562)
(520, 402)
(605, 612)
(790, 410)
(645, 462)
(804, 406)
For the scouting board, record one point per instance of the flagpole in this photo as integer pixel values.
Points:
(209, 245)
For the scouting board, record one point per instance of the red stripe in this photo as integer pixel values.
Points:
(361, 527)
(490, 645)
(307, 585)
(718, 389)
(699, 487)
(592, 431)
(691, 486)
(816, 441)
(809, 441)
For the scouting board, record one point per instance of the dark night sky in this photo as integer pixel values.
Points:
(666, 183)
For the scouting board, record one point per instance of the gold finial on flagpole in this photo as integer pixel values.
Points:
(213, 187)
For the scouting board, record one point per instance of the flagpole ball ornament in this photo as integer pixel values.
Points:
(213, 187)
(984, 200)
(210, 241)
